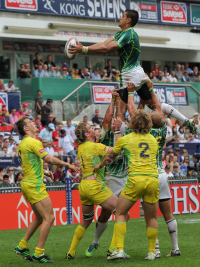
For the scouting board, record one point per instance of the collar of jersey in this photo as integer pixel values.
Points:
(128, 29)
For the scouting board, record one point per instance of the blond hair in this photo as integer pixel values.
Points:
(141, 122)
(80, 131)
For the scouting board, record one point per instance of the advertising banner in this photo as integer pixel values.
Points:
(3, 100)
(173, 12)
(31, 5)
(102, 94)
(195, 14)
(147, 9)
(15, 206)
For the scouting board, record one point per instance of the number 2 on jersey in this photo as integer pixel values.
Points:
(145, 147)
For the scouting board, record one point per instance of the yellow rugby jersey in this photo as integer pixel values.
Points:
(141, 151)
(31, 153)
(90, 154)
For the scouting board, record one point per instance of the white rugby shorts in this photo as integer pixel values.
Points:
(115, 184)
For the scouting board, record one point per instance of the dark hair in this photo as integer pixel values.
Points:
(133, 15)
(10, 81)
(1, 169)
(37, 53)
(49, 100)
(19, 126)
(6, 176)
(16, 177)
(39, 91)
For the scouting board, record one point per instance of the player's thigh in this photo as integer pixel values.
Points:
(110, 203)
(45, 209)
(166, 209)
(164, 186)
(149, 210)
(123, 206)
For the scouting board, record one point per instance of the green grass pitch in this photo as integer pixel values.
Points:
(135, 243)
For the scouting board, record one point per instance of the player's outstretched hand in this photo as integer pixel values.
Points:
(76, 49)
(131, 87)
(116, 124)
(50, 174)
(96, 168)
(115, 93)
(74, 168)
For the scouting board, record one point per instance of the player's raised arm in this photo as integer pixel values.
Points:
(56, 161)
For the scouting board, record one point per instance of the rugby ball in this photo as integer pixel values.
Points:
(71, 41)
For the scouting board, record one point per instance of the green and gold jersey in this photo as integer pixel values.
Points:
(90, 154)
(30, 154)
(129, 52)
(160, 135)
(118, 167)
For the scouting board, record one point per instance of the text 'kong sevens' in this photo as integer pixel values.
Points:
(172, 12)
(31, 5)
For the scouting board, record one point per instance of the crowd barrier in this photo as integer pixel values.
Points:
(16, 213)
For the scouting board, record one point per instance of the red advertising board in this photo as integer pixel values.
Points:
(22, 4)
(173, 12)
(16, 213)
(185, 199)
(102, 94)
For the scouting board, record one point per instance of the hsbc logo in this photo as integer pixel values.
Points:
(22, 4)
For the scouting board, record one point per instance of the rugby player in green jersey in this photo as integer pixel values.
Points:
(127, 43)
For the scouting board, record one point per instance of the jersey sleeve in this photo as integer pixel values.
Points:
(125, 38)
(37, 147)
(101, 149)
(119, 145)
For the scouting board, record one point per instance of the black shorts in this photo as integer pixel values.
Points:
(143, 93)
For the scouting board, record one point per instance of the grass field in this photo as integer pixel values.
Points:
(136, 245)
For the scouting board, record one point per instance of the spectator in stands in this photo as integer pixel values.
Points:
(55, 121)
(75, 177)
(38, 116)
(37, 61)
(64, 72)
(26, 71)
(184, 154)
(192, 139)
(5, 150)
(6, 180)
(168, 172)
(70, 129)
(113, 77)
(178, 72)
(4, 119)
(66, 142)
(38, 102)
(196, 119)
(9, 87)
(46, 110)
(195, 72)
(38, 124)
(176, 171)
(45, 69)
(117, 75)
(18, 178)
(2, 85)
(152, 77)
(182, 69)
(56, 134)
(39, 72)
(109, 68)
(191, 173)
(193, 163)
(186, 161)
(185, 77)
(20, 114)
(44, 143)
(47, 179)
(46, 133)
(57, 72)
(187, 133)
(49, 62)
(12, 143)
(177, 154)
(11, 175)
(14, 152)
(159, 76)
(50, 119)
(96, 120)
(2, 172)
(95, 75)
(166, 78)
(187, 69)
(156, 69)
(76, 74)
(13, 116)
(50, 149)
(104, 76)
(85, 74)
(85, 119)
(52, 72)
(58, 174)
(27, 111)
(181, 133)
(1, 136)
(173, 77)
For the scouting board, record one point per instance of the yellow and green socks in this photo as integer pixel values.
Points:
(152, 234)
(38, 252)
(113, 242)
(23, 243)
(78, 234)
(120, 232)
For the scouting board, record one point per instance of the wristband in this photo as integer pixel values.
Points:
(113, 99)
(85, 49)
(151, 89)
(117, 132)
(130, 93)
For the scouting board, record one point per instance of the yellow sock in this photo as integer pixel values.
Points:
(152, 234)
(23, 243)
(39, 251)
(112, 244)
(78, 234)
(120, 232)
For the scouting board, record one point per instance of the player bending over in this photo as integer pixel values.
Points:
(140, 148)
(92, 188)
(31, 155)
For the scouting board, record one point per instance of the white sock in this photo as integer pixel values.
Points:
(171, 111)
(100, 228)
(173, 231)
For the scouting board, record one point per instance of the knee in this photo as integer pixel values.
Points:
(86, 224)
(51, 218)
(39, 219)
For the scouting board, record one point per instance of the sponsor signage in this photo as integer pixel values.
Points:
(102, 94)
(26, 5)
(173, 12)
(22, 214)
(147, 9)
(195, 14)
